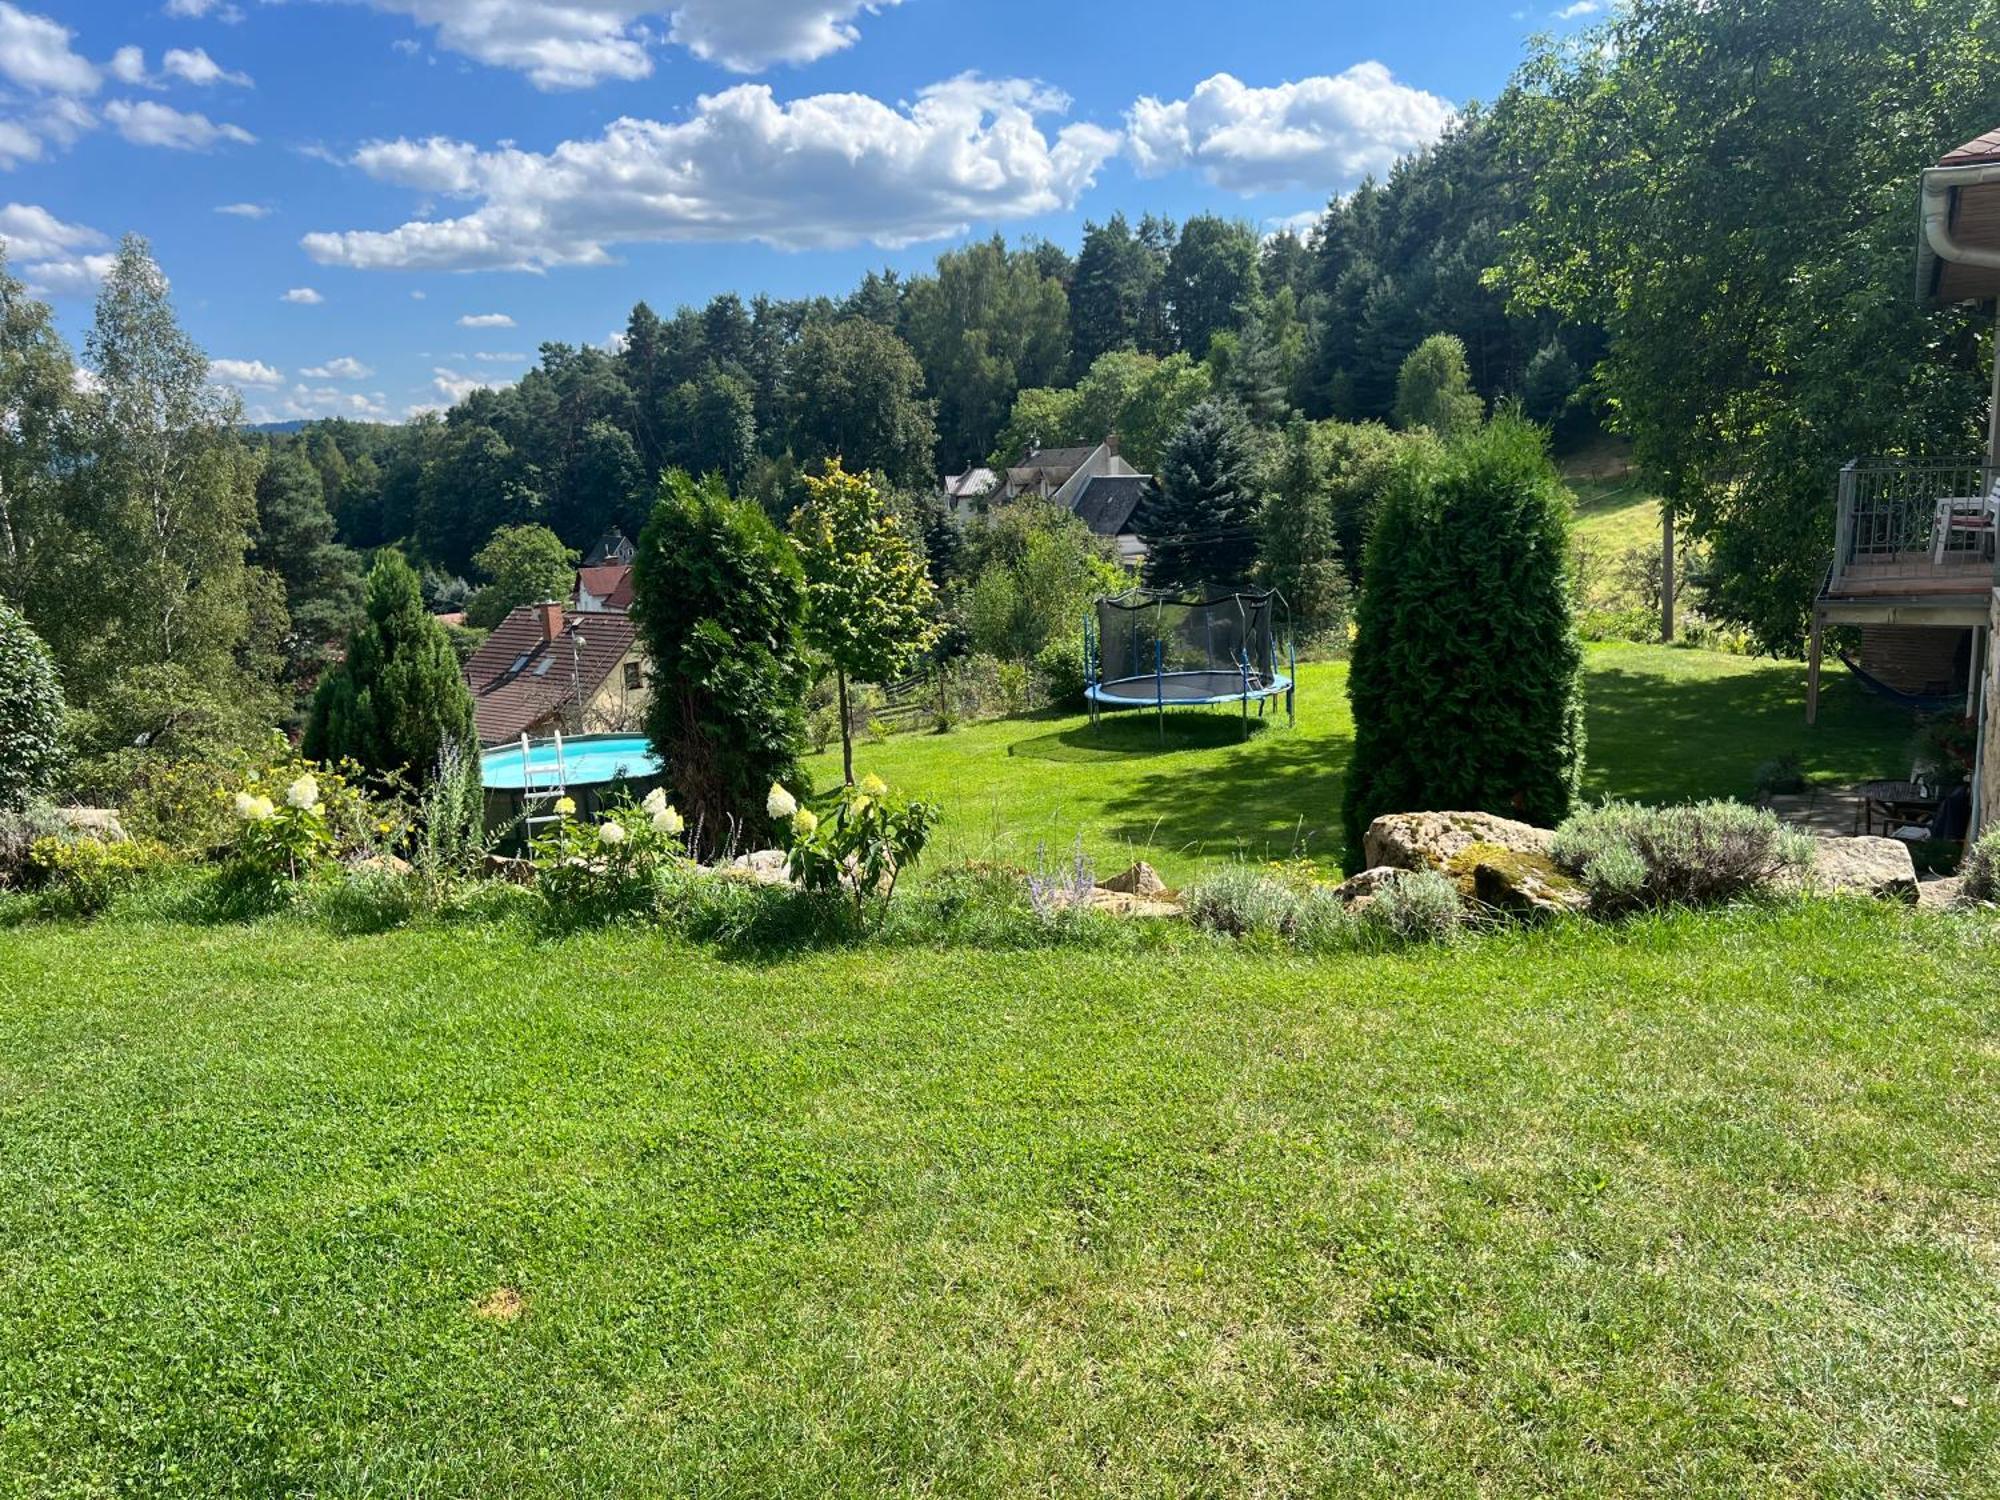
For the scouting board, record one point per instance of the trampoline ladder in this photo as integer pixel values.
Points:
(545, 795)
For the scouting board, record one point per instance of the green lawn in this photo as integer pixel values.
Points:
(1615, 514)
(1697, 1206)
(1665, 724)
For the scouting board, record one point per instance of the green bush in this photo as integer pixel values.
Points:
(31, 714)
(20, 829)
(1466, 677)
(1697, 854)
(861, 848)
(720, 599)
(1981, 867)
(78, 877)
(1421, 906)
(1059, 672)
(398, 698)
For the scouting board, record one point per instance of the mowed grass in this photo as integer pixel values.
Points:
(1665, 724)
(1697, 1206)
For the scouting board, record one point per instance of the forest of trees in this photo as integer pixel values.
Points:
(1711, 261)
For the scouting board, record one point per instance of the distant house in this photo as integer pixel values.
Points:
(1097, 484)
(962, 492)
(605, 587)
(611, 548)
(546, 668)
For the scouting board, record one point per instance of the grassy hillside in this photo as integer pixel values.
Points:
(1664, 725)
(1696, 1206)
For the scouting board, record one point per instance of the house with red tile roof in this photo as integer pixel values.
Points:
(547, 668)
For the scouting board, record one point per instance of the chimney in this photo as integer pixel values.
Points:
(552, 618)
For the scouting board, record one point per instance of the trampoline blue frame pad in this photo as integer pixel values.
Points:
(1184, 689)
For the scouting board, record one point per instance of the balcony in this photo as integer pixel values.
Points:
(1914, 541)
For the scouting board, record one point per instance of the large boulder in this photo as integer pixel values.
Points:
(1941, 894)
(1516, 883)
(1881, 868)
(1432, 840)
(99, 823)
(763, 866)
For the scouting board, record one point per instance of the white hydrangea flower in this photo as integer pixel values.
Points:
(655, 803)
(611, 833)
(261, 808)
(565, 807)
(874, 786)
(781, 804)
(667, 821)
(805, 823)
(303, 793)
(246, 806)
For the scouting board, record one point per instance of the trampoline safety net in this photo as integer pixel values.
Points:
(1205, 640)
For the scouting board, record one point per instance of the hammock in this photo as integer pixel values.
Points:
(1923, 703)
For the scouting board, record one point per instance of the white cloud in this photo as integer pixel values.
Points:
(303, 295)
(1299, 224)
(302, 403)
(485, 320)
(823, 171)
(146, 123)
(454, 386)
(42, 104)
(493, 358)
(194, 10)
(252, 372)
(1579, 10)
(128, 65)
(35, 53)
(583, 42)
(195, 66)
(343, 368)
(418, 296)
(71, 276)
(245, 210)
(29, 233)
(1317, 133)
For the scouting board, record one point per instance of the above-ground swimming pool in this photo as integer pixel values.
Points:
(588, 760)
(592, 766)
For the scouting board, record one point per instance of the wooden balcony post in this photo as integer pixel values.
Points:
(1812, 667)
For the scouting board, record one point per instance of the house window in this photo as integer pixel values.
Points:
(632, 680)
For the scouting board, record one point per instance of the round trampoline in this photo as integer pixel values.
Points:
(1159, 649)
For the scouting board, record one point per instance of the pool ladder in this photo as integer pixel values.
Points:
(546, 794)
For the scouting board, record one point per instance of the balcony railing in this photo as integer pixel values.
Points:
(1908, 527)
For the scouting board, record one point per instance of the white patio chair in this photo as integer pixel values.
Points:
(1975, 516)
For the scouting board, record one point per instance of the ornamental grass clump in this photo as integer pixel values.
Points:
(1276, 902)
(1981, 868)
(1697, 854)
(1420, 906)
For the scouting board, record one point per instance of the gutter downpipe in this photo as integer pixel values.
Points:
(1939, 183)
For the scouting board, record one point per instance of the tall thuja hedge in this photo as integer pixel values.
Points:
(1466, 675)
(720, 600)
(399, 698)
(31, 713)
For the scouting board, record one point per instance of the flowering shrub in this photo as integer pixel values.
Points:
(78, 877)
(599, 868)
(861, 847)
(283, 834)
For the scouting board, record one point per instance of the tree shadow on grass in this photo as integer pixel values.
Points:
(1140, 737)
(1273, 798)
(1671, 739)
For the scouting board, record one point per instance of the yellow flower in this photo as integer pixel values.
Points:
(781, 804)
(565, 807)
(874, 786)
(804, 823)
(862, 804)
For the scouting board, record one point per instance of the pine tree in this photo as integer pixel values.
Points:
(1201, 525)
(399, 698)
(1301, 551)
(1466, 680)
(321, 578)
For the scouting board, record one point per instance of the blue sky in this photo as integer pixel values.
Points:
(365, 206)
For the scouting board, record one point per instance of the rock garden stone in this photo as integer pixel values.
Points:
(1141, 880)
(1881, 868)
(99, 823)
(1431, 840)
(765, 866)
